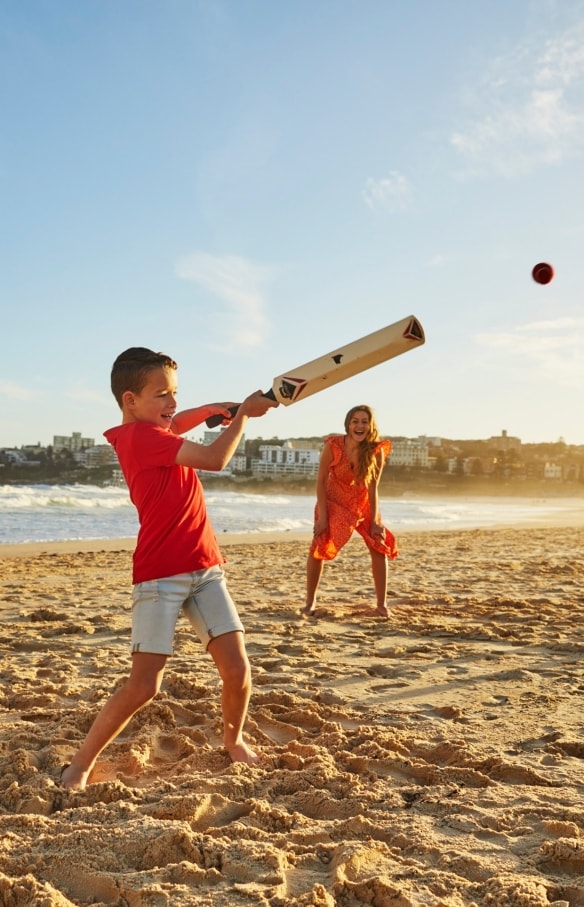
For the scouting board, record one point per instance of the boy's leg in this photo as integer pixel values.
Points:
(139, 689)
(379, 571)
(228, 653)
(313, 574)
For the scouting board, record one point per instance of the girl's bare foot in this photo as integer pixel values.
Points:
(73, 777)
(383, 611)
(308, 611)
(241, 752)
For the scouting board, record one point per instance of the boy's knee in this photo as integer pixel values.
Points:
(145, 690)
(237, 673)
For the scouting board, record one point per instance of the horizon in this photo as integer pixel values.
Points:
(267, 440)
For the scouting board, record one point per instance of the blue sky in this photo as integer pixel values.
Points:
(249, 184)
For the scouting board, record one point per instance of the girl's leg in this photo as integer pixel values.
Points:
(313, 574)
(139, 689)
(379, 570)
(228, 653)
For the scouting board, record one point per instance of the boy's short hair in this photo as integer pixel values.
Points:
(131, 369)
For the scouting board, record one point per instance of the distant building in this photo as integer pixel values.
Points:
(478, 466)
(99, 455)
(573, 472)
(238, 463)
(287, 459)
(505, 442)
(552, 471)
(409, 452)
(74, 442)
(14, 457)
(17, 458)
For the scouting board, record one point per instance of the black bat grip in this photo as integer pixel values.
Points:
(213, 421)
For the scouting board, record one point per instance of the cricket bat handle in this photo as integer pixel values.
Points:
(214, 421)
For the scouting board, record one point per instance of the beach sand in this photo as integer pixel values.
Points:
(435, 759)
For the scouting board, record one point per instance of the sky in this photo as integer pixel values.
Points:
(246, 185)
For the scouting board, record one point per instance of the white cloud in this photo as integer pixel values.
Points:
(16, 391)
(530, 108)
(87, 396)
(436, 261)
(240, 284)
(391, 192)
(554, 348)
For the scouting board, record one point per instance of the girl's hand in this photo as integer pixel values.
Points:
(320, 525)
(377, 530)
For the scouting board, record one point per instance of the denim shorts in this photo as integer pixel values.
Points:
(202, 596)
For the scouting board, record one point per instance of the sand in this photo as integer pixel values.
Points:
(436, 759)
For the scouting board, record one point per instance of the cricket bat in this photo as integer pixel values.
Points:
(342, 363)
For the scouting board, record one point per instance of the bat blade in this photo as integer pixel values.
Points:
(342, 363)
(349, 360)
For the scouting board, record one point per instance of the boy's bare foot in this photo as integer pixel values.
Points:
(73, 777)
(241, 752)
(383, 611)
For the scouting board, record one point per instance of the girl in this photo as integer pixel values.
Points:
(347, 500)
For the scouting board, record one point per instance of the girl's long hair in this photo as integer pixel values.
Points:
(366, 463)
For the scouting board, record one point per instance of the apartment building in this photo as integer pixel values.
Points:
(291, 458)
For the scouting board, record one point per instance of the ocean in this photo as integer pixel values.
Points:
(46, 513)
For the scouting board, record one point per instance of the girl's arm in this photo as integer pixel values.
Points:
(326, 458)
(188, 419)
(373, 491)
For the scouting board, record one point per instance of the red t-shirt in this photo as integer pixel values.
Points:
(176, 535)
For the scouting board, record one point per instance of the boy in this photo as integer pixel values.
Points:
(177, 562)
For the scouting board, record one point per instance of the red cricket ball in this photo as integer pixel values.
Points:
(542, 272)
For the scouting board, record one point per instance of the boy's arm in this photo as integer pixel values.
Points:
(217, 455)
(188, 419)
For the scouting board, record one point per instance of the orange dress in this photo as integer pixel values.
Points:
(348, 507)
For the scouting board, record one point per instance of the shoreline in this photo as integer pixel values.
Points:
(564, 520)
(393, 485)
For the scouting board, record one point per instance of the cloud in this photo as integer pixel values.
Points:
(240, 284)
(531, 110)
(554, 348)
(436, 261)
(87, 396)
(391, 192)
(16, 391)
